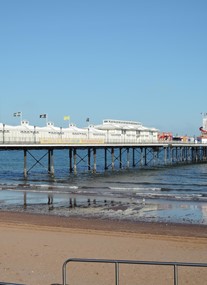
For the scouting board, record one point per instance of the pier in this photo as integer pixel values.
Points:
(115, 155)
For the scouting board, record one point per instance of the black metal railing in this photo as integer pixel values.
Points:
(175, 266)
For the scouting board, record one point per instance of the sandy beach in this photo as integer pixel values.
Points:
(34, 247)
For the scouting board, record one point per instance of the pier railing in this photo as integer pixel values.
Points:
(72, 141)
(175, 266)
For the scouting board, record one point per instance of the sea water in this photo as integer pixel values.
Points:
(157, 193)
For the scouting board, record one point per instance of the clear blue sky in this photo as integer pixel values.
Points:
(142, 60)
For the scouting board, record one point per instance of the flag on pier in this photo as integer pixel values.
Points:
(43, 116)
(66, 118)
(17, 114)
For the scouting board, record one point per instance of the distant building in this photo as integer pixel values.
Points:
(203, 129)
(165, 136)
(123, 131)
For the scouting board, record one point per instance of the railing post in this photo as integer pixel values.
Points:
(175, 274)
(116, 273)
(64, 273)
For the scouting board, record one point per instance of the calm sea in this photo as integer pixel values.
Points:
(156, 193)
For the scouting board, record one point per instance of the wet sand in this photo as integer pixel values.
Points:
(34, 247)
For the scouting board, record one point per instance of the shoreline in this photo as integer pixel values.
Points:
(95, 207)
(103, 225)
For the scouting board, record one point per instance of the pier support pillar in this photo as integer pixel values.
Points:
(112, 158)
(171, 155)
(133, 157)
(120, 157)
(188, 154)
(50, 199)
(204, 154)
(145, 156)
(94, 160)
(177, 154)
(25, 199)
(192, 154)
(196, 154)
(89, 159)
(51, 162)
(141, 156)
(25, 163)
(165, 155)
(128, 162)
(75, 160)
(105, 159)
(181, 154)
(154, 156)
(70, 160)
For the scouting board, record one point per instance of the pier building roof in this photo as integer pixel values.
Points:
(109, 124)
